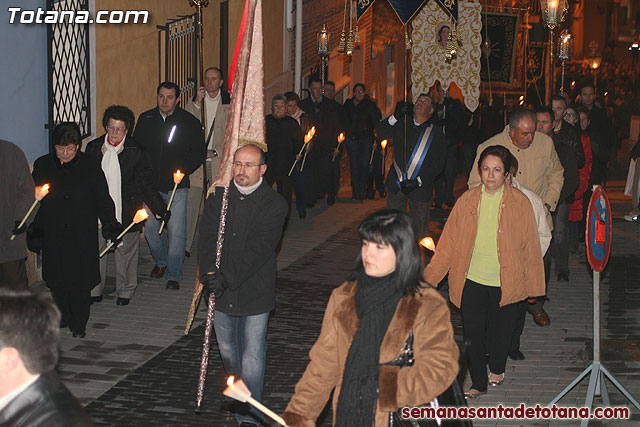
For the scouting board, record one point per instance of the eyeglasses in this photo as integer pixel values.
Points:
(245, 165)
(116, 130)
(71, 149)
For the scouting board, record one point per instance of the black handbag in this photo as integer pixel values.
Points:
(453, 396)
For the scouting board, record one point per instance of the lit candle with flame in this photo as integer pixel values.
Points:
(428, 243)
(383, 144)
(140, 216)
(340, 140)
(40, 192)
(307, 138)
(238, 390)
(177, 178)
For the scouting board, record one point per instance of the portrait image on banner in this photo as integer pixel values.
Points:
(431, 28)
(499, 55)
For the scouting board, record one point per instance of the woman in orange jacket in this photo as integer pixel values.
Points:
(490, 248)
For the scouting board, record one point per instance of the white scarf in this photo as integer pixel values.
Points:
(248, 190)
(297, 115)
(111, 168)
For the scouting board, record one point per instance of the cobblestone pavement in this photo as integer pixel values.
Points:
(137, 368)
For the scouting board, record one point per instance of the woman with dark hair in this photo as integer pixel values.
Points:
(130, 181)
(491, 250)
(65, 228)
(368, 320)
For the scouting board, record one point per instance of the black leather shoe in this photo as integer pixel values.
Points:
(383, 194)
(122, 301)
(331, 200)
(63, 324)
(302, 215)
(157, 272)
(172, 284)
(96, 299)
(187, 254)
(78, 334)
(516, 355)
(563, 276)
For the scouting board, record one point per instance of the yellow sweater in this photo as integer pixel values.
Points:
(485, 267)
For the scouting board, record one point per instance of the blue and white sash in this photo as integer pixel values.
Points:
(417, 156)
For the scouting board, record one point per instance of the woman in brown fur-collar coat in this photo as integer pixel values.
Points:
(366, 325)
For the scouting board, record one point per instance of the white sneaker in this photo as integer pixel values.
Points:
(632, 216)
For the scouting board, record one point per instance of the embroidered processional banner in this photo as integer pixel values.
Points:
(499, 54)
(431, 26)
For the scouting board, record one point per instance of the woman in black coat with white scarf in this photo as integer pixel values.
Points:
(66, 225)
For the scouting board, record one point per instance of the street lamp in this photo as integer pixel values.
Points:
(564, 53)
(323, 50)
(553, 13)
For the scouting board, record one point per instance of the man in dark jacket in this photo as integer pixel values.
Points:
(17, 189)
(450, 116)
(130, 180)
(363, 116)
(31, 395)
(284, 139)
(599, 131)
(244, 285)
(564, 132)
(173, 139)
(559, 248)
(418, 159)
(329, 119)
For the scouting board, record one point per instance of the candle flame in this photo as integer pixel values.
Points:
(383, 144)
(312, 131)
(140, 216)
(341, 137)
(177, 177)
(231, 380)
(308, 137)
(42, 191)
(553, 4)
(428, 243)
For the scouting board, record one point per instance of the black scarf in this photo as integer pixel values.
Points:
(376, 300)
